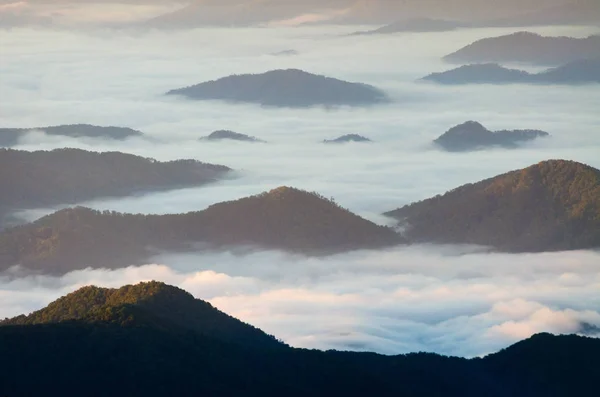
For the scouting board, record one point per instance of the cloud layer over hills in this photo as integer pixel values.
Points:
(419, 298)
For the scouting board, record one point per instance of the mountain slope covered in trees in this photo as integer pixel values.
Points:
(93, 337)
(150, 304)
(550, 206)
(283, 218)
(47, 178)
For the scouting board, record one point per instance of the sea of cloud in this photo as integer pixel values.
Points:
(420, 298)
(449, 300)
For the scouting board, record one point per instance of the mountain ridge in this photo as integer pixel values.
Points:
(67, 176)
(284, 218)
(147, 304)
(576, 72)
(550, 206)
(224, 356)
(527, 47)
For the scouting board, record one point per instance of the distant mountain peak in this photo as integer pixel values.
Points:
(472, 135)
(285, 88)
(348, 138)
(229, 135)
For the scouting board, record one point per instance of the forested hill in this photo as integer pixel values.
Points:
(472, 135)
(283, 218)
(62, 176)
(11, 136)
(285, 88)
(154, 340)
(553, 205)
(151, 304)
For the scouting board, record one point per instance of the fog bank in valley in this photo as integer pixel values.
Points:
(451, 300)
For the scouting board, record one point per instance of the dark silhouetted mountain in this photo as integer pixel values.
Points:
(550, 206)
(285, 88)
(484, 73)
(151, 304)
(283, 218)
(63, 176)
(154, 340)
(528, 47)
(576, 72)
(471, 135)
(230, 135)
(348, 138)
(415, 25)
(10, 136)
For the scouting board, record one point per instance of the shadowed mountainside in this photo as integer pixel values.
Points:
(550, 206)
(528, 47)
(11, 136)
(152, 339)
(63, 176)
(576, 72)
(283, 218)
(471, 135)
(285, 88)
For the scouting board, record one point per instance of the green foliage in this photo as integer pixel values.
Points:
(554, 205)
(151, 304)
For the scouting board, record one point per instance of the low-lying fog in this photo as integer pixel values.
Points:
(405, 300)
(422, 298)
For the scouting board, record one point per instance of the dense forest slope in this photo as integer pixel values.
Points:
(151, 304)
(528, 47)
(133, 342)
(46, 178)
(576, 72)
(285, 88)
(553, 205)
(283, 218)
(10, 136)
(471, 135)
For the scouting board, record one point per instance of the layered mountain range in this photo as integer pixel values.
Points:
(584, 71)
(153, 339)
